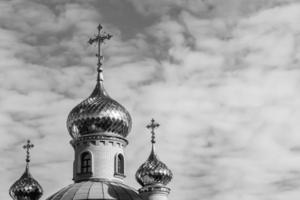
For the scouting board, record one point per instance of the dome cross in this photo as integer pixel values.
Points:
(153, 125)
(99, 38)
(27, 147)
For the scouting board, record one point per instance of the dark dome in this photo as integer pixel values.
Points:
(153, 172)
(26, 188)
(99, 114)
(100, 189)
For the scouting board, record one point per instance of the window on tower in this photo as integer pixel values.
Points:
(86, 162)
(119, 165)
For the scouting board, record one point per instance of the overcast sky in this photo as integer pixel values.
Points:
(221, 77)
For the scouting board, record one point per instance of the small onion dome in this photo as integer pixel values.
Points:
(96, 189)
(99, 114)
(26, 188)
(153, 171)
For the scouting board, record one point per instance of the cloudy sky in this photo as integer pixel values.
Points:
(221, 77)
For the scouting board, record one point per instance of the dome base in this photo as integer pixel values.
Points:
(154, 192)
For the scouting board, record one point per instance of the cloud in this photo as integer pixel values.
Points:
(206, 8)
(231, 98)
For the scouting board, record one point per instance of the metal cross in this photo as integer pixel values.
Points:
(153, 125)
(28, 146)
(100, 38)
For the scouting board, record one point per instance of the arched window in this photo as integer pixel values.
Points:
(119, 164)
(86, 162)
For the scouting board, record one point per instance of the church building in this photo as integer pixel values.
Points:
(98, 127)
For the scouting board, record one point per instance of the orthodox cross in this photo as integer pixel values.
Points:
(153, 125)
(100, 38)
(28, 146)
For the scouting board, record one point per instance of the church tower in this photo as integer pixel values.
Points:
(153, 175)
(26, 187)
(98, 126)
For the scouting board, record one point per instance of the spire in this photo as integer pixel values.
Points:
(27, 147)
(152, 126)
(99, 113)
(153, 171)
(99, 38)
(26, 187)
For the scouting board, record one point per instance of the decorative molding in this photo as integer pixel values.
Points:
(93, 139)
(155, 189)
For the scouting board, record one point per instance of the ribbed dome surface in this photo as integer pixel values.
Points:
(153, 171)
(26, 188)
(97, 190)
(99, 114)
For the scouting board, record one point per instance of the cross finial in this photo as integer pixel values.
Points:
(99, 38)
(153, 125)
(27, 147)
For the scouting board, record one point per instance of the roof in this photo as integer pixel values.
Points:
(99, 189)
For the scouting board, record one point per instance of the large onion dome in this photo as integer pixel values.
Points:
(26, 187)
(153, 171)
(99, 114)
(96, 189)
